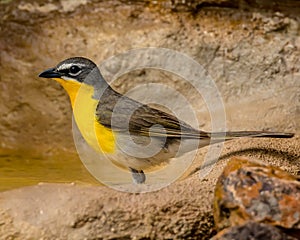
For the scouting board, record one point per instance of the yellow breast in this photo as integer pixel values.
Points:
(101, 138)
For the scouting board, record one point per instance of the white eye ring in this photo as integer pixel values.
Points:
(74, 70)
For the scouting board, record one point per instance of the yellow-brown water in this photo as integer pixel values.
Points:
(17, 170)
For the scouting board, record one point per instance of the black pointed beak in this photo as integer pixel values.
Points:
(50, 73)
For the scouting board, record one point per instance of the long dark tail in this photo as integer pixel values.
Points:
(254, 134)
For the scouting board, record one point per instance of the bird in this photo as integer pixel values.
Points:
(133, 135)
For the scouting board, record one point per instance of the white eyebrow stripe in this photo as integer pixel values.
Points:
(68, 65)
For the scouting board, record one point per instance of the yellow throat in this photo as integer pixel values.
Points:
(84, 106)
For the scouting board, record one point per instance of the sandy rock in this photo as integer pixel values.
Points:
(248, 190)
(57, 211)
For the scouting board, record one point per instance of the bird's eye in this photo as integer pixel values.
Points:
(74, 70)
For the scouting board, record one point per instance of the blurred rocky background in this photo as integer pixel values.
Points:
(251, 51)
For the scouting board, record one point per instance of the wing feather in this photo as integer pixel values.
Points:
(116, 111)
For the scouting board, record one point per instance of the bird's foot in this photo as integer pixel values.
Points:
(138, 176)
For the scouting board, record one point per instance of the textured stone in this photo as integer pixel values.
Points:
(61, 211)
(251, 191)
(252, 231)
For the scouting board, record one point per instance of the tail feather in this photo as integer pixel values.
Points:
(254, 134)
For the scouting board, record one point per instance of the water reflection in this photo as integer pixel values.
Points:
(19, 170)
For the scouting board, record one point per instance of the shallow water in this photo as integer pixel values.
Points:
(18, 171)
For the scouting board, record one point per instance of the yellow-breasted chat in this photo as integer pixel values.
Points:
(121, 127)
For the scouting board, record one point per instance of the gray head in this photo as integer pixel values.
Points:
(76, 69)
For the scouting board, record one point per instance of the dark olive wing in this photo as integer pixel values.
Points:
(122, 114)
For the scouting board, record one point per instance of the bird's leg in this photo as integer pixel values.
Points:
(138, 176)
